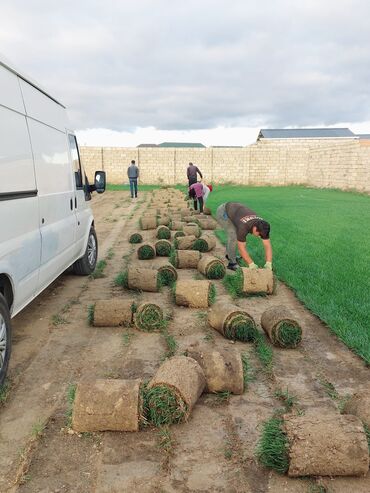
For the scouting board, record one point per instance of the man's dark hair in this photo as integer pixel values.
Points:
(190, 164)
(263, 227)
(133, 161)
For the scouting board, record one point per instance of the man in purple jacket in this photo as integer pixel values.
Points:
(192, 173)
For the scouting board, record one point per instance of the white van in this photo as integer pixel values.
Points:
(46, 224)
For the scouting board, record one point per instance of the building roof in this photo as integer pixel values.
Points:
(147, 145)
(303, 133)
(363, 136)
(181, 144)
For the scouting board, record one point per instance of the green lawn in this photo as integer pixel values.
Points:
(321, 244)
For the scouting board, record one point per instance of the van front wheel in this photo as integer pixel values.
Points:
(85, 265)
(5, 338)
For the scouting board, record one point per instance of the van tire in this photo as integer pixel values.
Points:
(5, 338)
(86, 264)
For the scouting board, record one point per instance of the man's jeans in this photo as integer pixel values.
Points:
(133, 186)
(225, 223)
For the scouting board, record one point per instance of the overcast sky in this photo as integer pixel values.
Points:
(210, 70)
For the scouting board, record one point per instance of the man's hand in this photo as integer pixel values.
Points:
(268, 265)
(253, 266)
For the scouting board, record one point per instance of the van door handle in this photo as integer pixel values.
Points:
(71, 204)
(75, 202)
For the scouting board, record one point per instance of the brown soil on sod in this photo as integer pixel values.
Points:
(107, 405)
(142, 279)
(163, 220)
(185, 376)
(193, 294)
(192, 230)
(207, 223)
(331, 445)
(110, 313)
(273, 322)
(177, 225)
(46, 358)
(257, 281)
(187, 259)
(149, 222)
(359, 405)
(185, 242)
(222, 368)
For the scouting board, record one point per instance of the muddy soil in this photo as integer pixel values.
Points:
(54, 347)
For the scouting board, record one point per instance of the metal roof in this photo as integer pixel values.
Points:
(147, 145)
(303, 133)
(181, 144)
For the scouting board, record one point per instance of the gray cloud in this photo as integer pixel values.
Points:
(195, 64)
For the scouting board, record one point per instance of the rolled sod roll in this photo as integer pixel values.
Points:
(177, 225)
(142, 279)
(107, 405)
(188, 218)
(167, 274)
(192, 229)
(179, 234)
(257, 281)
(163, 248)
(111, 313)
(163, 220)
(186, 259)
(232, 322)
(146, 251)
(184, 242)
(222, 368)
(149, 222)
(148, 317)
(193, 293)
(174, 390)
(359, 405)
(205, 243)
(281, 327)
(333, 445)
(207, 223)
(163, 233)
(211, 267)
(207, 211)
(135, 238)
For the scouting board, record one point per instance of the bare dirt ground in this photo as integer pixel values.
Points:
(214, 451)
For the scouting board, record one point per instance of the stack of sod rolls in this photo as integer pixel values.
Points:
(194, 294)
(107, 405)
(173, 391)
(281, 327)
(232, 322)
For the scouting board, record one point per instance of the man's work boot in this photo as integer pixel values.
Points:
(232, 266)
(238, 257)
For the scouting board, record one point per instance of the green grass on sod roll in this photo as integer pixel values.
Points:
(240, 328)
(166, 277)
(211, 294)
(162, 406)
(163, 233)
(178, 234)
(287, 335)
(90, 314)
(150, 318)
(315, 265)
(136, 238)
(146, 252)
(272, 448)
(216, 271)
(234, 283)
(201, 245)
(122, 279)
(163, 249)
(173, 257)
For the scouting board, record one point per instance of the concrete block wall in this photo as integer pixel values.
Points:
(333, 163)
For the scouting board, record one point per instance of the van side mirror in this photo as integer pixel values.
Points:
(100, 181)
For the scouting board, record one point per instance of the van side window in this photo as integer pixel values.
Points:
(77, 170)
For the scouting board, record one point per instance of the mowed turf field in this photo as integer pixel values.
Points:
(321, 245)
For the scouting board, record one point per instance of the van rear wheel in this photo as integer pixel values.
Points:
(86, 264)
(5, 338)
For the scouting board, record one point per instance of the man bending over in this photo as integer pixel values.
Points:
(238, 221)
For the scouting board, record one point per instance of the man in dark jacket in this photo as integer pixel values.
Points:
(192, 174)
(133, 175)
(238, 221)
